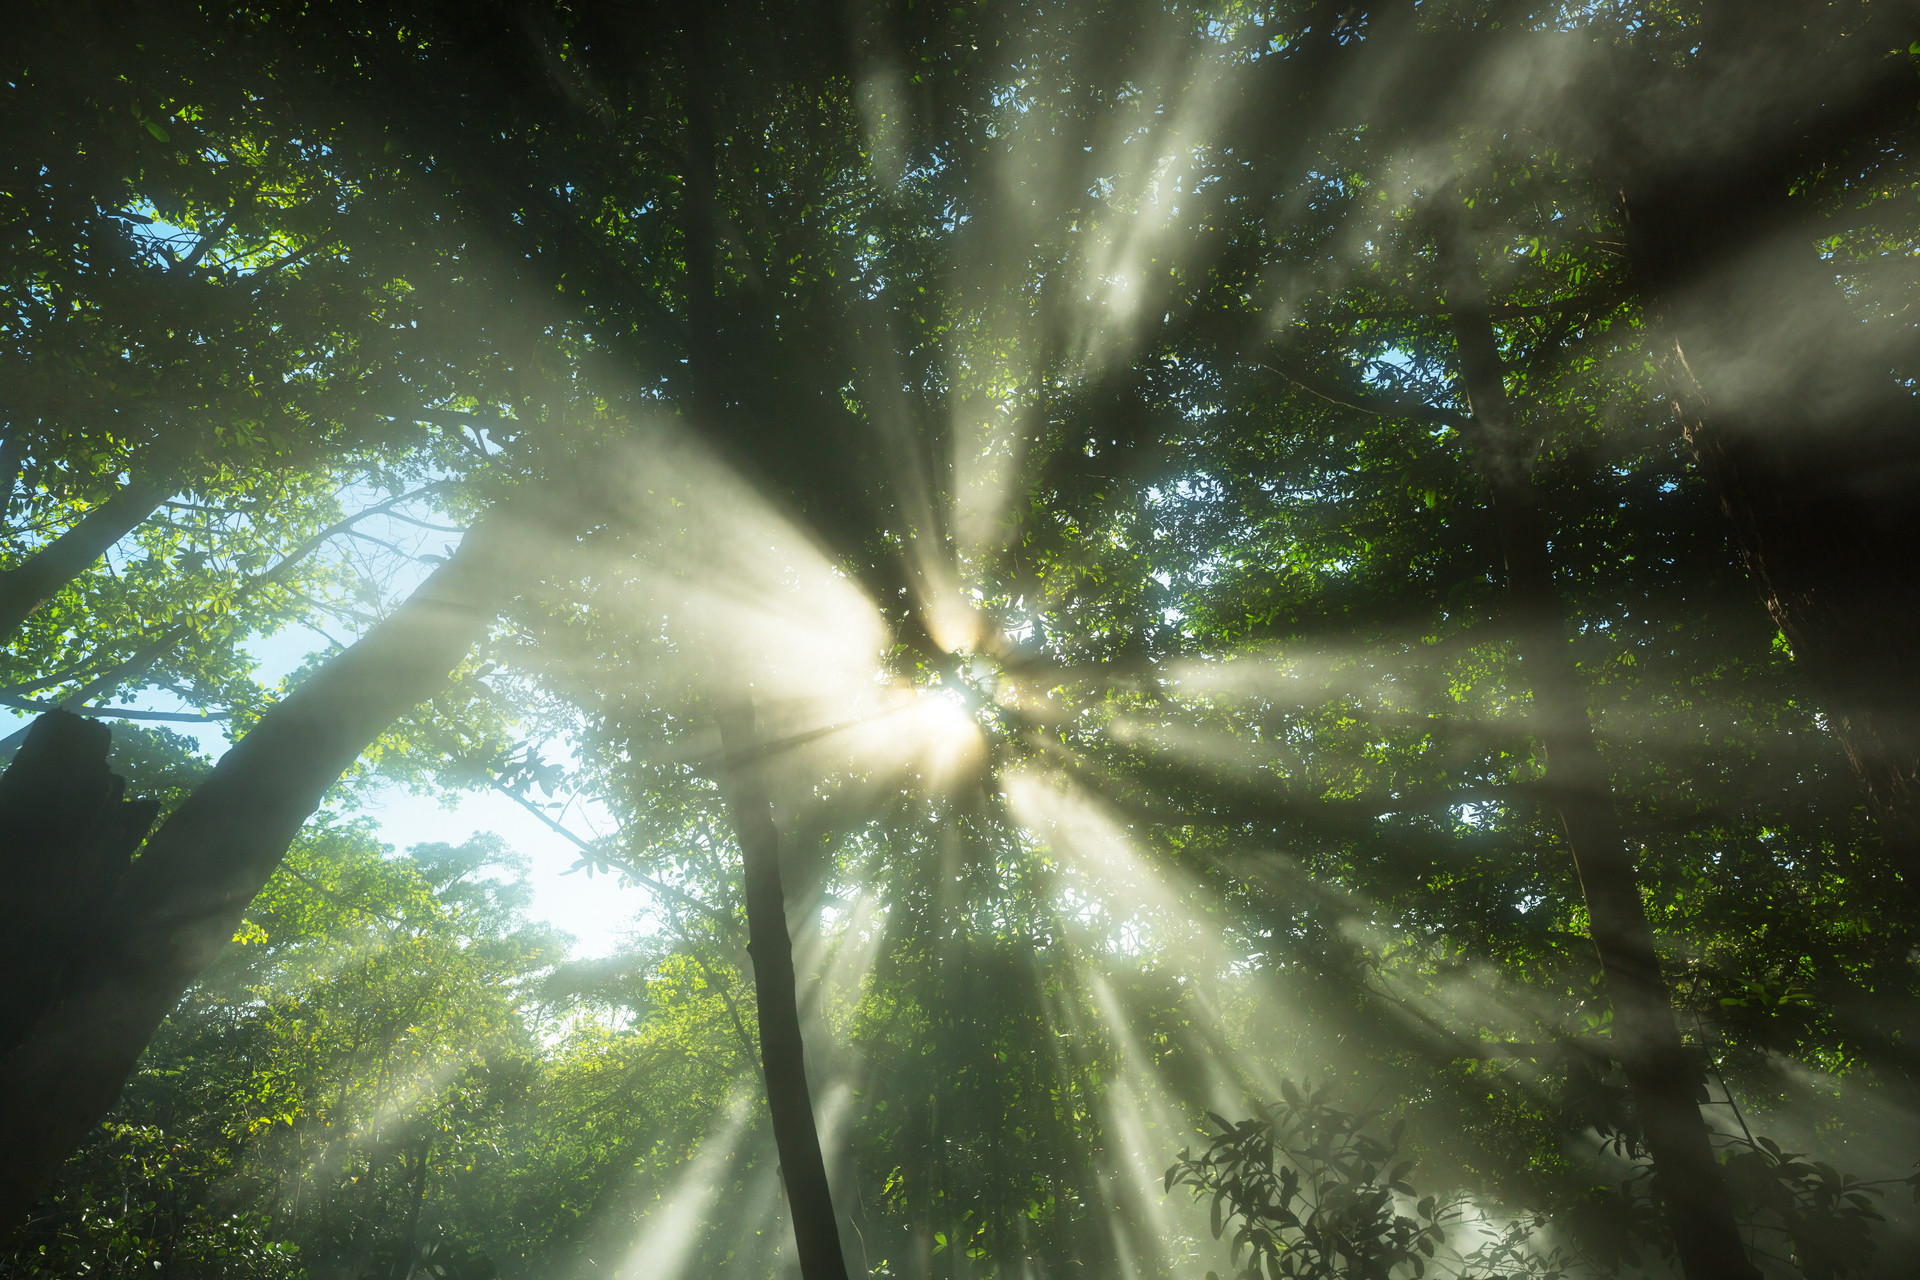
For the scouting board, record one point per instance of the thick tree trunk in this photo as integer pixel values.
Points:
(803, 1169)
(183, 898)
(13, 455)
(34, 581)
(1789, 403)
(1665, 1082)
(66, 837)
(1829, 532)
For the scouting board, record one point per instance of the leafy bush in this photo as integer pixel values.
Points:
(1314, 1196)
(1309, 1194)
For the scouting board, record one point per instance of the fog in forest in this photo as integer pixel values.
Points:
(953, 640)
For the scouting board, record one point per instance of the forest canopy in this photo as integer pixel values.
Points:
(1263, 639)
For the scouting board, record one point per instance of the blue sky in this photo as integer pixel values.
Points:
(598, 911)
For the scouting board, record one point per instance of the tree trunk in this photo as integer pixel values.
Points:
(1664, 1080)
(407, 1247)
(803, 1169)
(1830, 535)
(13, 455)
(34, 581)
(66, 837)
(1790, 405)
(183, 898)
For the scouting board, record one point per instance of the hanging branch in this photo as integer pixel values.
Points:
(1375, 402)
(122, 713)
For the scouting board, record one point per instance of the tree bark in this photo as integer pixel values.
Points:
(183, 898)
(1665, 1082)
(66, 837)
(13, 455)
(407, 1249)
(1790, 407)
(803, 1169)
(33, 582)
(816, 1229)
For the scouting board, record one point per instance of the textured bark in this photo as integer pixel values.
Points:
(1788, 401)
(66, 837)
(183, 899)
(33, 582)
(803, 1169)
(1666, 1083)
(1829, 532)
(407, 1250)
(13, 455)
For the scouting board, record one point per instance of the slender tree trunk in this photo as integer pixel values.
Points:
(1664, 1080)
(803, 1169)
(33, 582)
(183, 898)
(409, 1242)
(816, 1229)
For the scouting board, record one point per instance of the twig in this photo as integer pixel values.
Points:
(123, 713)
(596, 854)
(1380, 404)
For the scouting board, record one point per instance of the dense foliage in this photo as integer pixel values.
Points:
(1178, 490)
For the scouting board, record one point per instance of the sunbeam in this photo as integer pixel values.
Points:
(1271, 638)
(671, 1228)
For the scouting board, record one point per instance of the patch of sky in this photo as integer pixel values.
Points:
(1479, 814)
(1390, 364)
(171, 246)
(598, 913)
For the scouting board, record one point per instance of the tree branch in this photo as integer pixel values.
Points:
(1380, 404)
(595, 853)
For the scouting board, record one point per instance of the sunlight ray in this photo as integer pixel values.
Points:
(1148, 1126)
(1150, 907)
(669, 1234)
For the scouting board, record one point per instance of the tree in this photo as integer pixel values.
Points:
(182, 900)
(203, 303)
(1808, 462)
(259, 1133)
(1211, 610)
